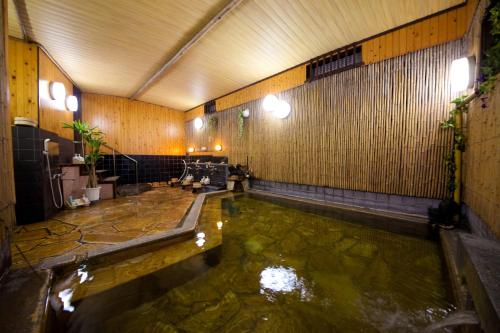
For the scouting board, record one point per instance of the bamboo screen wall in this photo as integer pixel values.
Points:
(374, 128)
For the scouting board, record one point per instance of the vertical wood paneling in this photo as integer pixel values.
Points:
(374, 128)
(53, 114)
(445, 27)
(7, 195)
(135, 127)
(286, 80)
(23, 79)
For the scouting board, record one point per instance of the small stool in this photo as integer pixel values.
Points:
(174, 182)
(197, 187)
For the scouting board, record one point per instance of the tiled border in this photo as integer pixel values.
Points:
(380, 201)
(391, 221)
(477, 225)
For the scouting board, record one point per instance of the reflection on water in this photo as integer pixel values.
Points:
(281, 270)
(274, 280)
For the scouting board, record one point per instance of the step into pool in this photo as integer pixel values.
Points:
(262, 266)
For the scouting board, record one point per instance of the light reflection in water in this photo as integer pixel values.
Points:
(65, 296)
(279, 279)
(84, 274)
(200, 239)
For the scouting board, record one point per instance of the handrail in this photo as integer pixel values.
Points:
(114, 151)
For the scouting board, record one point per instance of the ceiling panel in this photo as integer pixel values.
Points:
(264, 37)
(14, 27)
(112, 47)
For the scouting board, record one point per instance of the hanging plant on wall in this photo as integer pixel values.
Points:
(449, 209)
(213, 122)
(241, 123)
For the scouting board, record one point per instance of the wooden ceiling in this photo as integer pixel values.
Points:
(113, 46)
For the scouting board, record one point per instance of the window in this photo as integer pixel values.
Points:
(334, 62)
(210, 107)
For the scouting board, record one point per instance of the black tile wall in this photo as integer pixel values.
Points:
(33, 195)
(152, 168)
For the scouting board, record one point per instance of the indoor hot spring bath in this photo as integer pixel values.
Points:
(280, 267)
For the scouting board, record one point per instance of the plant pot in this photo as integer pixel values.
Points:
(93, 193)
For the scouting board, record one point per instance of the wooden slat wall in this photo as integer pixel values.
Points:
(134, 127)
(7, 194)
(481, 160)
(53, 114)
(23, 79)
(373, 128)
(436, 30)
(284, 81)
(439, 29)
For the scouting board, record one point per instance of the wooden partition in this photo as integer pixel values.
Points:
(7, 192)
(23, 79)
(135, 127)
(374, 128)
(53, 114)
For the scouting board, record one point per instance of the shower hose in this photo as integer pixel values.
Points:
(61, 201)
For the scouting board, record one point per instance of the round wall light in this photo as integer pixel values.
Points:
(270, 103)
(72, 103)
(218, 147)
(246, 113)
(57, 90)
(190, 150)
(198, 123)
(462, 73)
(282, 110)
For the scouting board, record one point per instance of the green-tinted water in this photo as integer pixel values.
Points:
(285, 270)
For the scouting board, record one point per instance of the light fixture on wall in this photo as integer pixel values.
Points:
(190, 150)
(246, 113)
(462, 73)
(57, 90)
(203, 148)
(270, 102)
(282, 110)
(72, 103)
(218, 147)
(198, 123)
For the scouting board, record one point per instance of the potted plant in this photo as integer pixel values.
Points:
(93, 139)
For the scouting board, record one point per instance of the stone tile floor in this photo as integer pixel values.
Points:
(102, 224)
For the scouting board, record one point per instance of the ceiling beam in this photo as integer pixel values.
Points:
(24, 22)
(180, 53)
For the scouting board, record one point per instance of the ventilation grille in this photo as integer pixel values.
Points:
(334, 62)
(210, 107)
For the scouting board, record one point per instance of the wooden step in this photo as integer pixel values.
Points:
(111, 179)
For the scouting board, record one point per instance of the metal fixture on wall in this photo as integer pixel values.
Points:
(72, 103)
(198, 123)
(462, 73)
(57, 90)
(269, 103)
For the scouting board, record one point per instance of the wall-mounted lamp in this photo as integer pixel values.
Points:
(72, 103)
(190, 150)
(198, 123)
(203, 148)
(282, 110)
(246, 113)
(218, 147)
(269, 103)
(57, 90)
(462, 73)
